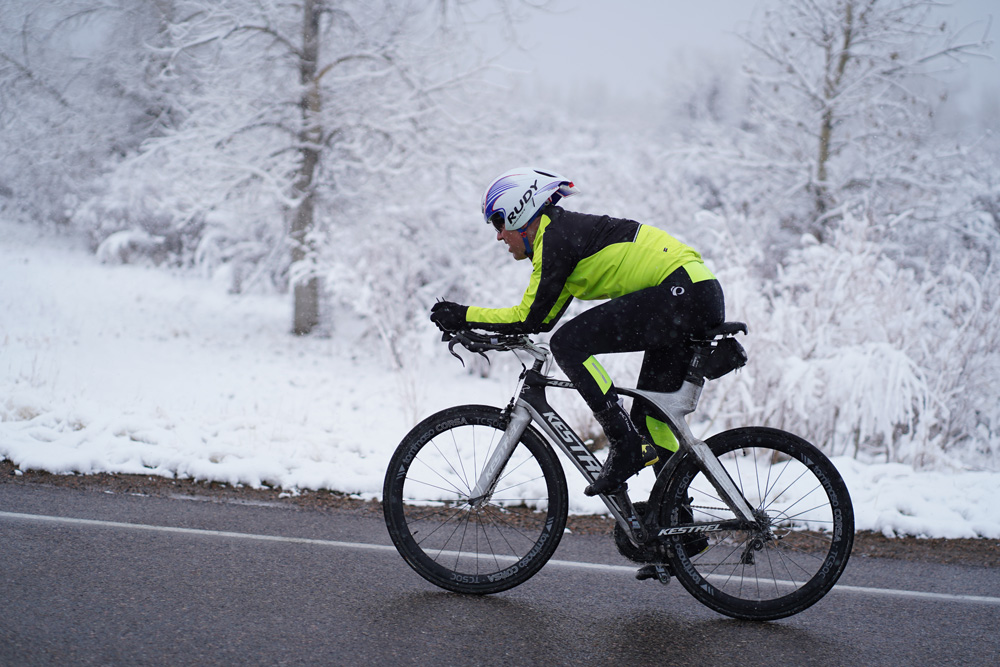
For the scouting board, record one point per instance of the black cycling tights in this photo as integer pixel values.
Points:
(657, 320)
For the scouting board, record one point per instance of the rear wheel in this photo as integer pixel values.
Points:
(806, 533)
(464, 544)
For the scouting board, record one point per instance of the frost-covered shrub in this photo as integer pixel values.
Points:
(130, 246)
(870, 359)
(206, 211)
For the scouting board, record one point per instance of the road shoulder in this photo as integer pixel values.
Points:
(968, 552)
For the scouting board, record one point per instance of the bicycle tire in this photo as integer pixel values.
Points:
(811, 526)
(463, 548)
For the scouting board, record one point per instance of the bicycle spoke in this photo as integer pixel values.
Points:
(451, 492)
(513, 486)
(461, 461)
(457, 489)
(459, 544)
(781, 565)
(414, 517)
(439, 527)
(489, 542)
(503, 536)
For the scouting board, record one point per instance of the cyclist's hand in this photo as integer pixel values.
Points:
(449, 316)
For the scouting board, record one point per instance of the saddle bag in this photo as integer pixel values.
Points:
(726, 357)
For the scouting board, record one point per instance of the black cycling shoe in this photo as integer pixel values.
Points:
(628, 455)
(663, 571)
(622, 463)
(658, 571)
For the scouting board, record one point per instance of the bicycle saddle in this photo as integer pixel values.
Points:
(725, 329)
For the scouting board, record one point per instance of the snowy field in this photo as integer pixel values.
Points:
(139, 370)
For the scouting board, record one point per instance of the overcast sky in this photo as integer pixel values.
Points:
(627, 46)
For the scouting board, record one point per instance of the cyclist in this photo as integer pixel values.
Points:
(659, 292)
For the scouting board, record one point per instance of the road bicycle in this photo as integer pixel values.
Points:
(754, 522)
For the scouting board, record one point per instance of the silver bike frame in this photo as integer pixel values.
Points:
(675, 406)
(531, 406)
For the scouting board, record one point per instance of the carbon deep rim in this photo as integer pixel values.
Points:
(778, 572)
(448, 538)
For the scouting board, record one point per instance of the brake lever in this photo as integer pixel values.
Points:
(456, 338)
(451, 348)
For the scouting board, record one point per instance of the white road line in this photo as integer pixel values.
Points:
(41, 518)
(193, 531)
(841, 588)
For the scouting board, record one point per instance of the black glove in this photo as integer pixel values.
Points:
(449, 316)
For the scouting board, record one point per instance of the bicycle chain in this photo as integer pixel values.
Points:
(707, 507)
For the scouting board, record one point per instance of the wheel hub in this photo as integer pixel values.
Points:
(759, 536)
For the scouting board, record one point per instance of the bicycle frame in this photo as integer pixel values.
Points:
(769, 555)
(531, 406)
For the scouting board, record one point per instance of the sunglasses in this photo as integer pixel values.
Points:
(497, 221)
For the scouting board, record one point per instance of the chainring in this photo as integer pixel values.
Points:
(650, 554)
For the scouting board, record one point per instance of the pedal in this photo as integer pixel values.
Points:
(654, 571)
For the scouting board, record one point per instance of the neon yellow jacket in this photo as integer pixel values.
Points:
(588, 257)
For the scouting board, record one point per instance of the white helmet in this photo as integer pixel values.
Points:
(515, 196)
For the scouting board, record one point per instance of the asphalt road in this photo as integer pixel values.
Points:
(207, 583)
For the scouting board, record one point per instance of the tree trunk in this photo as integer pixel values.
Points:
(836, 66)
(306, 291)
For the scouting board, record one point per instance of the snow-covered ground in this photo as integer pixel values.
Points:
(139, 370)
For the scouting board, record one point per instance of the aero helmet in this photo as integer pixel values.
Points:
(517, 195)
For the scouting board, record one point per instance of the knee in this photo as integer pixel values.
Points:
(556, 346)
(563, 347)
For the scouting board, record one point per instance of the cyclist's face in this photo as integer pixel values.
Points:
(515, 244)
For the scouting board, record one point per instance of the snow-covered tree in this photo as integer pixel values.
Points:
(302, 122)
(77, 95)
(844, 94)
(856, 237)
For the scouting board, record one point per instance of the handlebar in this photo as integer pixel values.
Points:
(480, 343)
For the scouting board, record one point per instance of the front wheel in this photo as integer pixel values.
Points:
(465, 544)
(802, 543)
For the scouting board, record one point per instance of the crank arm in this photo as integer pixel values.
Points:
(630, 518)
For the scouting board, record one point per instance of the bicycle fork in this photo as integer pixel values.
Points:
(487, 483)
